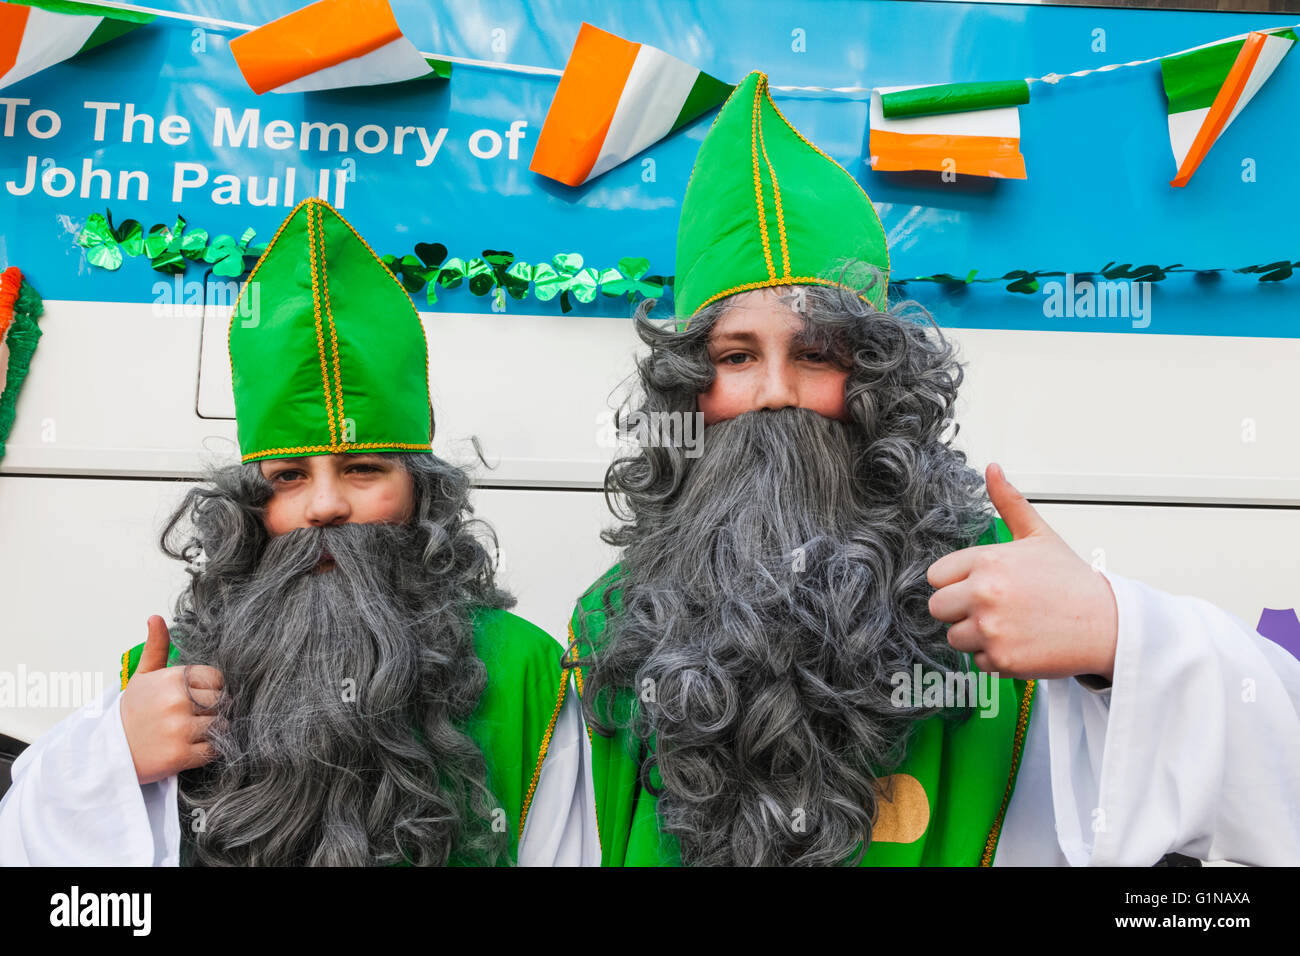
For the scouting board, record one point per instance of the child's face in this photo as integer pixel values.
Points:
(322, 490)
(761, 362)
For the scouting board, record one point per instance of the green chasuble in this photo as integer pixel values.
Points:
(943, 806)
(516, 714)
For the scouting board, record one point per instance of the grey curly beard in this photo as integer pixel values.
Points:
(773, 585)
(337, 741)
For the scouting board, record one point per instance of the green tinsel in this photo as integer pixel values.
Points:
(22, 338)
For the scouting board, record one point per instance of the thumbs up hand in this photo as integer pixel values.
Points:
(1027, 608)
(166, 711)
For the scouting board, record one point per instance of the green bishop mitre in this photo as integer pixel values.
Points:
(327, 350)
(765, 207)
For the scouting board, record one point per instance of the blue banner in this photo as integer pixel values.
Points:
(160, 124)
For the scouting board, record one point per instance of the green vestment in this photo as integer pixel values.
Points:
(944, 804)
(516, 714)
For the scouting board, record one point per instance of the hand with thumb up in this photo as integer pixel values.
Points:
(1029, 607)
(166, 711)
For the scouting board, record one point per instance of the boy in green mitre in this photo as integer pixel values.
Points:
(769, 673)
(348, 688)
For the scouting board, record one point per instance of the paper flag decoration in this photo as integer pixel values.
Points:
(330, 45)
(615, 99)
(1208, 86)
(45, 32)
(983, 140)
(953, 98)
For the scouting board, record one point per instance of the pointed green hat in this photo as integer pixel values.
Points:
(765, 207)
(327, 351)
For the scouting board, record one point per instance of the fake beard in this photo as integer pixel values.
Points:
(765, 610)
(341, 689)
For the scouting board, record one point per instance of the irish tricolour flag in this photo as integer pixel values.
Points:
(615, 99)
(972, 129)
(1208, 86)
(45, 32)
(330, 45)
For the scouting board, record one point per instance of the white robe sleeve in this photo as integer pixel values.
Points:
(1034, 832)
(75, 800)
(1195, 749)
(561, 825)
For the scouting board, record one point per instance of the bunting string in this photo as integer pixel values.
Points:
(246, 27)
(1049, 78)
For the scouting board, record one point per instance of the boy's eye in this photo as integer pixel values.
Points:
(735, 358)
(289, 474)
(825, 357)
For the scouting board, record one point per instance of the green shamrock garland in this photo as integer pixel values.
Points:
(170, 249)
(1023, 281)
(499, 274)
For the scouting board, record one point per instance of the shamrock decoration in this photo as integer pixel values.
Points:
(627, 279)
(105, 244)
(1273, 272)
(1022, 281)
(168, 249)
(517, 279)
(227, 255)
(420, 270)
(945, 279)
(157, 241)
(563, 275)
(498, 272)
(1149, 273)
(478, 273)
(454, 271)
(408, 270)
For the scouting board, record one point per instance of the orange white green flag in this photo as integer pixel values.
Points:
(41, 33)
(971, 129)
(615, 99)
(1208, 86)
(330, 45)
